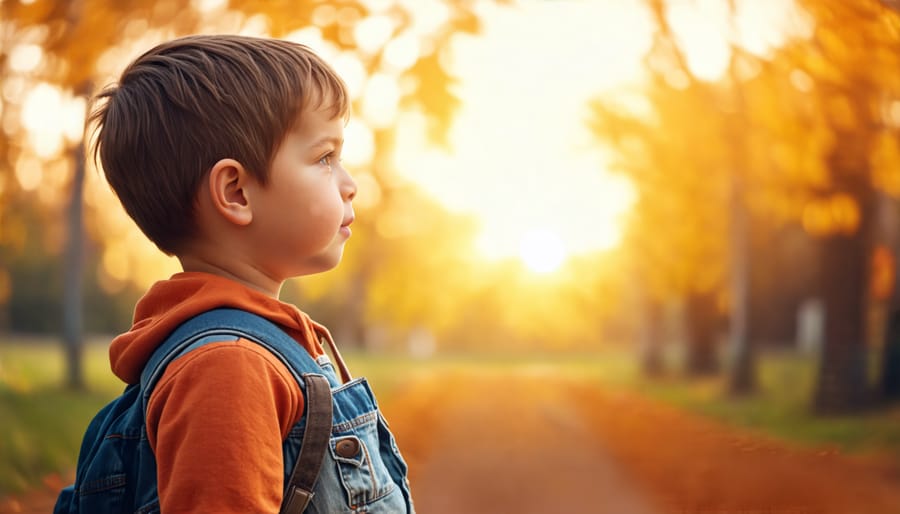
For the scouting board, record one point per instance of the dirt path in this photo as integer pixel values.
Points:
(531, 442)
(512, 446)
(695, 465)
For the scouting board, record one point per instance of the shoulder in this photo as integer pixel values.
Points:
(224, 356)
(226, 375)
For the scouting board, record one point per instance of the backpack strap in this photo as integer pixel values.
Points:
(209, 327)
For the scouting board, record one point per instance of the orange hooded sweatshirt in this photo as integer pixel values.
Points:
(218, 416)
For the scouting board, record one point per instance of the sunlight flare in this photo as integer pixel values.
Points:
(542, 251)
(520, 153)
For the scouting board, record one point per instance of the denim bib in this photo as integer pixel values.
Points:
(363, 470)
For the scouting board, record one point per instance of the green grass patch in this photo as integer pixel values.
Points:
(782, 407)
(43, 422)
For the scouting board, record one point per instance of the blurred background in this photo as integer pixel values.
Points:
(682, 211)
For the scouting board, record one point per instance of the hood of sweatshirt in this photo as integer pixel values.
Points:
(169, 303)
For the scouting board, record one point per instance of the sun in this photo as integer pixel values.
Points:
(542, 251)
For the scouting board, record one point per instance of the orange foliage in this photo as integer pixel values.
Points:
(792, 135)
(884, 272)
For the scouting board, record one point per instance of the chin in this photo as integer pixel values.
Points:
(322, 264)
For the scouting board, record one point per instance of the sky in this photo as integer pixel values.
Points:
(523, 160)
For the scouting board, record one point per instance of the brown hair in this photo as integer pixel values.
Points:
(186, 104)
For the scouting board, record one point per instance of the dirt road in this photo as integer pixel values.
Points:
(508, 445)
(527, 442)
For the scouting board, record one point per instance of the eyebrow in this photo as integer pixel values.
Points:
(326, 140)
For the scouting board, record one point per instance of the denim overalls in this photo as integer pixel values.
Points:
(362, 470)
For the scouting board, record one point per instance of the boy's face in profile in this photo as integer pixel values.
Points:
(301, 218)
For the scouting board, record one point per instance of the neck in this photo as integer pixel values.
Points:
(243, 274)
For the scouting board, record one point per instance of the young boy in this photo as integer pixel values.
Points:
(225, 150)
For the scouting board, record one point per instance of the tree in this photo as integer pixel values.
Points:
(849, 47)
(811, 142)
(673, 164)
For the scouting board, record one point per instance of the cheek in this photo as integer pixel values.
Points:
(326, 211)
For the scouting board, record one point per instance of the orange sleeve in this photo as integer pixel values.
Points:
(216, 422)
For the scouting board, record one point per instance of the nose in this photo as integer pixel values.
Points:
(348, 186)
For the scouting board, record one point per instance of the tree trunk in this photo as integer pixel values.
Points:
(650, 335)
(890, 363)
(702, 358)
(842, 381)
(742, 378)
(889, 230)
(73, 326)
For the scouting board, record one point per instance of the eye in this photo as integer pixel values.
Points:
(326, 159)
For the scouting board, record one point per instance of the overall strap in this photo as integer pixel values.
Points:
(319, 417)
(210, 327)
(326, 340)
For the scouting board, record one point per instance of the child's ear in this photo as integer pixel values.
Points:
(228, 180)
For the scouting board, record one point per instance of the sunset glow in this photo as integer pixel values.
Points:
(520, 159)
(52, 119)
(521, 155)
(542, 251)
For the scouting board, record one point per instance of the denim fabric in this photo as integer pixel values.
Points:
(374, 479)
(117, 469)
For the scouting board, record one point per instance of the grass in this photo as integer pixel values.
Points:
(781, 407)
(41, 423)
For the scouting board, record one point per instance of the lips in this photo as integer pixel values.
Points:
(345, 226)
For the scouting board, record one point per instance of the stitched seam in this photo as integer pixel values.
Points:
(353, 423)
